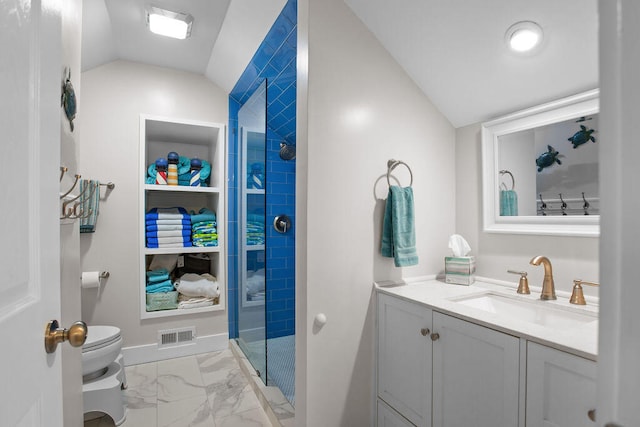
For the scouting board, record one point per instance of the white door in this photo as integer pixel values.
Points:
(30, 52)
(619, 335)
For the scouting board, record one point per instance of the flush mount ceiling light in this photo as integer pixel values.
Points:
(524, 37)
(170, 24)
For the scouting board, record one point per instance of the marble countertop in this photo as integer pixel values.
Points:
(581, 340)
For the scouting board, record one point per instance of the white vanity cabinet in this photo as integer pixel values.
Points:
(404, 358)
(475, 374)
(436, 370)
(561, 388)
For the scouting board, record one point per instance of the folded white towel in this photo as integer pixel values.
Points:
(191, 302)
(198, 285)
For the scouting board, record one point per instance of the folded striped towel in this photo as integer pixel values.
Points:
(160, 240)
(168, 227)
(167, 213)
(171, 233)
(169, 245)
(163, 222)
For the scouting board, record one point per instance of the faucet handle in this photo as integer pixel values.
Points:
(577, 296)
(523, 283)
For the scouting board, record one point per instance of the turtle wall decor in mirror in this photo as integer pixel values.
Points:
(540, 169)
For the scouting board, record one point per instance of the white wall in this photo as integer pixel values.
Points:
(113, 97)
(571, 257)
(362, 111)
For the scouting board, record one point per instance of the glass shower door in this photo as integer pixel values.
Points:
(251, 224)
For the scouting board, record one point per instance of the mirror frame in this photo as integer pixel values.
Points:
(582, 104)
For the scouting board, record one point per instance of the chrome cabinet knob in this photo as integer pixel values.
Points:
(424, 331)
(54, 335)
(435, 336)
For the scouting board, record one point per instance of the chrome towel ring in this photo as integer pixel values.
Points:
(391, 165)
(513, 181)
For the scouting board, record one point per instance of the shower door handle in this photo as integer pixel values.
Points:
(282, 223)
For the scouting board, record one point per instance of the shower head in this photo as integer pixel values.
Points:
(287, 151)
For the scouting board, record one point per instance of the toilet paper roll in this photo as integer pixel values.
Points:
(90, 279)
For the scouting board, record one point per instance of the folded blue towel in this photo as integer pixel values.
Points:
(156, 276)
(90, 201)
(171, 233)
(398, 229)
(508, 203)
(165, 286)
(167, 213)
(203, 215)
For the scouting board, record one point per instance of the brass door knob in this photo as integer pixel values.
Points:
(435, 336)
(54, 335)
(424, 331)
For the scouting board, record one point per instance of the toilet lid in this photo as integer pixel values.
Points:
(100, 336)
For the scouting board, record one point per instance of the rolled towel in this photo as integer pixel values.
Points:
(198, 285)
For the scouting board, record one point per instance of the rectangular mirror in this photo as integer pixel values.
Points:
(540, 169)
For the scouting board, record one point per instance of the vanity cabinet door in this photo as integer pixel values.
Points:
(475, 375)
(561, 388)
(387, 417)
(404, 358)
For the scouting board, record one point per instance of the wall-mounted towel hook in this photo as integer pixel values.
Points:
(63, 170)
(77, 177)
(391, 164)
(563, 204)
(586, 205)
(543, 205)
(513, 180)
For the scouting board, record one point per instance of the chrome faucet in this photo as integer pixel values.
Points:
(548, 287)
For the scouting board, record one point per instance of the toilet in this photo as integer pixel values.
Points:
(103, 377)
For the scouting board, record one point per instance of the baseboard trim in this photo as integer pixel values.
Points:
(136, 355)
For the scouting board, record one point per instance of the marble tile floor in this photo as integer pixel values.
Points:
(206, 390)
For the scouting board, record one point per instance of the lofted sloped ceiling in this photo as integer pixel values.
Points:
(454, 50)
(224, 36)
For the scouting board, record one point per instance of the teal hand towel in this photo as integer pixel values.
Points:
(508, 203)
(90, 201)
(398, 228)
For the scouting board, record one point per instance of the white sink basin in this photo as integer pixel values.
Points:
(538, 312)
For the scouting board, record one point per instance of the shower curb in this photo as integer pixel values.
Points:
(280, 412)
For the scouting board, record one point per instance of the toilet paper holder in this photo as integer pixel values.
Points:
(104, 274)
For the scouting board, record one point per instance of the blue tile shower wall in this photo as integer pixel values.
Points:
(274, 60)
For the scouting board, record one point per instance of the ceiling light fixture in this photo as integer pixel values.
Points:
(170, 24)
(524, 36)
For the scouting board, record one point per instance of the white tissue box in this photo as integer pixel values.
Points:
(460, 270)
